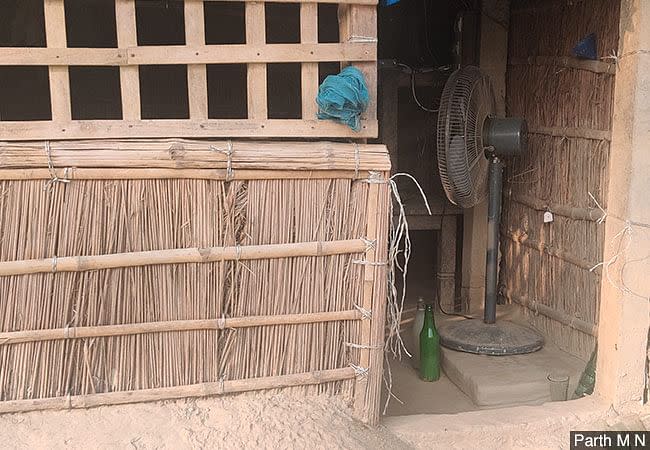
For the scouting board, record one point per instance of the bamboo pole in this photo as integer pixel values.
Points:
(551, 251)
(74, 173)
(553, 314)
(569, 132)
(176, 392)
(566, 62)
(195, 154)
(182, 255)
(361, 386)
(17, 337)
(571, 212)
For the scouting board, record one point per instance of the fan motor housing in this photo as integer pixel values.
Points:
(508, 137)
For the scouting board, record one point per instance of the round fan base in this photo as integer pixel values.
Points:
(501, 338)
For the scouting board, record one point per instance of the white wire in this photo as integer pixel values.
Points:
(415, 96)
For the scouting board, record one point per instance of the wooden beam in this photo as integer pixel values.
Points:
(75, 173)
(256, 41)
(309, 71)
(163, 128)
(358, 24)
(195, 154)
(197, 82)
(129, 76)
(361, 385)
(352, 2)
(259, 54)
(55, 35)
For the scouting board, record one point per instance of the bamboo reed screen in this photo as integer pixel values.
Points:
(550, 268)
(357, 45)
(145, 270)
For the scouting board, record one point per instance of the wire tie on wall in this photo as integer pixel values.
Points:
(371, 244)
(221, 322)
(366, 39)
(360, 372)
(369, 263)
(362, 347)
(357, 160)
(375, 177)
(228, 152)
(365, 313)
(50, 167)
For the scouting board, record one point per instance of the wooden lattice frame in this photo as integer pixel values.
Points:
(358, 46)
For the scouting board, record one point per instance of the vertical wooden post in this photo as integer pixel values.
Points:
(55, 35)
(388, 89)
(367, 391)
(197, 83)
(309, 71)
(358, 23)
(256, 35)
(446, 263)
(129, 75)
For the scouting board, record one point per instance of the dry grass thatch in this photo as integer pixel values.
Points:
(98, 217)
(549, 264)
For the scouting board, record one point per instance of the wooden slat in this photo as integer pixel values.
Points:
(196, 73)
(256, 37)
(97, 129)
(179, 174)
(361, 385)
(54, 12)
(129, 76)
(358, 23)
(213, 54)
(354, 2)
(309, 71)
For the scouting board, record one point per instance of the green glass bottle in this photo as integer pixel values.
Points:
(429, 348)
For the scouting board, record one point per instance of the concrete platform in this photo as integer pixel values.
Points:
(498, 381)
(421, 397)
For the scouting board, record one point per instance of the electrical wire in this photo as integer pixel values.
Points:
(413, 72)
(446, 313)
(415, 96)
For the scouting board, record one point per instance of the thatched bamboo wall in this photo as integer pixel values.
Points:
(568, 104)
(313, 220)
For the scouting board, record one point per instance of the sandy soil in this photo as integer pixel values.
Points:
(249, 420)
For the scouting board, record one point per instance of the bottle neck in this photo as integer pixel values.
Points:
(428, 317)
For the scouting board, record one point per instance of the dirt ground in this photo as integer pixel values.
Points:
(285, 420)
(251, 420)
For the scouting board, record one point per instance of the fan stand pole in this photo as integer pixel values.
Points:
(487, 337)
(492, 254)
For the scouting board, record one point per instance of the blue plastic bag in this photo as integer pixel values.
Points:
(343, 97)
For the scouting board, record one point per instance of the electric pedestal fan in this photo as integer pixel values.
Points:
(471, 145)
